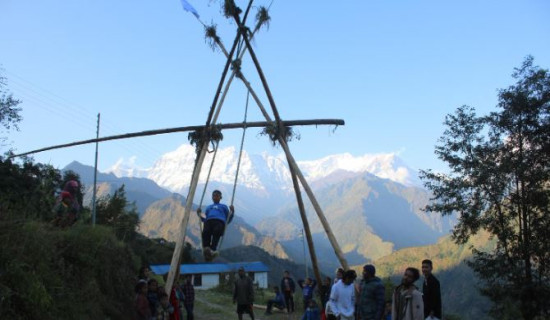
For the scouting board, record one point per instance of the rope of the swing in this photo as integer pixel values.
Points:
(206, 185)
(238, 168)
(241, 150)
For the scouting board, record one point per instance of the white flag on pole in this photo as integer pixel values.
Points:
(189, 8)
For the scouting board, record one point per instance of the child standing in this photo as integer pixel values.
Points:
(164, 310)
(216, 216)
(312, 311)
(307, 286)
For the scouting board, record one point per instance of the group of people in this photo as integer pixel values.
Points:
(341, 299)
(153, 303)
(347, 299)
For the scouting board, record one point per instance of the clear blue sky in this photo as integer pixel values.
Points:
(391, 69)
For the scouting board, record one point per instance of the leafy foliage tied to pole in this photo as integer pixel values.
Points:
(211, 36)
(274, 131)
(213, 135)
(499, 180)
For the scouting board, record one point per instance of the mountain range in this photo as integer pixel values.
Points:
(372, 202)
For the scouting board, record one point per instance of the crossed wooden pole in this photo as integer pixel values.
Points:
(211, 122)
(295, 171)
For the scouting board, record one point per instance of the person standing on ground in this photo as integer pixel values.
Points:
(339, 274)
(371, 295)
(189, 296)
(431, 292)
(312, 311)
(153, 296)
(324, 293)
(288, 287)
(407, 300)
(307, 285)
(164, 309)
(243, 295)
(342, 297)
(144, 274)
(142, 309)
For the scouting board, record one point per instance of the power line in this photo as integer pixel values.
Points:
(77, 114)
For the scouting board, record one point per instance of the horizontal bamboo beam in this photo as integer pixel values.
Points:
(255, 124)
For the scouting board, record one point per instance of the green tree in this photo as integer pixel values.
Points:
(499, 180)
(115, 211)
(27, 190)
(9, 110)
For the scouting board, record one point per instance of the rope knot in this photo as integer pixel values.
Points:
(236, 67)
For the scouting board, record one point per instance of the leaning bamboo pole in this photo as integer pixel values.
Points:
(305, 223)
(176, 257)
(296, 187)
(290, 158)
(316, 206)
(243, 78)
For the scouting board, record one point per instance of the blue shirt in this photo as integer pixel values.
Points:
(280, 299)
(216, 211)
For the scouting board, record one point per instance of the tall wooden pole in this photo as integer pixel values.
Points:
(176, 257)
(178, 250)
(307, 230)
(95, 174)
(292, 163)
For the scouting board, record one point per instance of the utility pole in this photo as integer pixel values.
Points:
(95, 173)
(305, 256)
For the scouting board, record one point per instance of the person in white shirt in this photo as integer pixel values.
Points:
(342, 297)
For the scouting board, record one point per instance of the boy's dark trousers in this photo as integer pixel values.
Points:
(189, 309)
(273, 303)
(289, 301)
(213, 230)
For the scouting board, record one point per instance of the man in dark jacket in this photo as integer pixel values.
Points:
(371, 298)
(243, 295)
(431, 291)
(189, 296)
(288, 287)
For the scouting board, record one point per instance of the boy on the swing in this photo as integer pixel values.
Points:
(217, 215)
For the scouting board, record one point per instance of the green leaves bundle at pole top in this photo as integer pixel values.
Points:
(499, 180)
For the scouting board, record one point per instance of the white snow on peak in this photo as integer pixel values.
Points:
(128, 168)
(174, 169)
(383, 165)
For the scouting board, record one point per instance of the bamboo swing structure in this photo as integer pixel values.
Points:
(243, 36)
(232, 11)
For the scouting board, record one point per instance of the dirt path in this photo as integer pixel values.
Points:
(207, 310)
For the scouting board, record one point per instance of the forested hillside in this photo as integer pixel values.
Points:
(78, 271)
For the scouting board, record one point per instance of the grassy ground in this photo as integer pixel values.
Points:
(218, 305)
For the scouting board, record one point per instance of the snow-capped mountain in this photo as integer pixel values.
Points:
(261, 172)
(385, 166)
